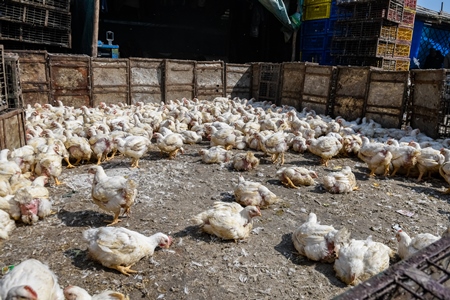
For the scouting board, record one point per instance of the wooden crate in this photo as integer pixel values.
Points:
(318, 88)
(292, 80)
(209, 79)
(70, 80)
(179, 79)
(146, 84)
(110, 80)
(238, 80)
(12, 129)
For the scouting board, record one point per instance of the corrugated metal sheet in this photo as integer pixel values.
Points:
(110, 80)
(238, 80)
(386, 98)
(209, 79)
(146, 80)
(292, 81)
(179, 79)
(34, 75)
(70, 79)
(318, 88)
(351, 88)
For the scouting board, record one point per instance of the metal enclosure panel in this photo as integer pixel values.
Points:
(209, 79)
(179, 79)
(12, 130)
(292, 80)
(238, 80)
(386, 98)
(15, 98)
(426, 110)
(34, 76)
(317, 88)
(70, 79)
(146, 83)
(110, 81)
(351, 88)
(266, 82)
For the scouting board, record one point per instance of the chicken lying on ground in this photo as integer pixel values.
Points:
(112, 193)
(361, 259)
(408, 246)
(30, 280)
(295, 176)
(253, 193)
(32, 202)
(7, 225)
(50, 163)
(340, 182)
(120, 248)
(215, 155)
(228, 221)
(318, 242)
(76, 293)
(245, 161)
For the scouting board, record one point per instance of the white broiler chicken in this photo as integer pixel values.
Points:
(215, 155)
(376, 155)
(191, 137)
(408, 246)
(318, 242)
(8, 168)
(112, 193)
(444, 168)
(78, 147)
(340, 182)
(25, 158)
(171, 143)
(120, 248)
(228, 221)
(30, 280)
(7, 225)
(73, 292)
(253, 193)
(50, 163)
(245, 161)
(273, 144)
(225, 137)
(295, 176)
(325, 146)
(101, 145)
(361, 259)
(32, 202)
(133, 146)
(403, 157)
(429, 160)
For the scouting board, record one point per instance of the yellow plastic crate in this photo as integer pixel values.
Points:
(388, 32)
(402, 65)
(385, 48)
(402, 50)
(315, 2)
(388, 64)
(404, 34)
(319, 11)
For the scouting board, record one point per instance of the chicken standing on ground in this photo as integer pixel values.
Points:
(429, 160)
(273, 144)
(30, 280)
(402, 156)
(340, 182)
(112, 193)
(78, 147)
(444, 168)
(295, 176)
(228, 221)
(134, 146)
(245, 161)
(215, 155)
(32, 202)
(325, 146)
(408, 246)
(253, 193)
(73, 292)
(120, 248)
(171, 143)
(376, 155)
(50, 163)
(318, 242)
(361, 259)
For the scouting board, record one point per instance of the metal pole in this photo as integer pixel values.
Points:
(95, 28)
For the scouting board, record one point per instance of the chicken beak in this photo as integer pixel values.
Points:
(166, 246)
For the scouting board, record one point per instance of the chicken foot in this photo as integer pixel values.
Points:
(124, 270)
(57, 182)
(69, 165)
(289, 183)
(115, 220)
(173, 154)
(135, 163)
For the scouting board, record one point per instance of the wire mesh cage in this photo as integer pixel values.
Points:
(269, 81)
(3, 89)
(56, 4)
(425, 275)
(358, 10)
(14, 89)
(37, 35)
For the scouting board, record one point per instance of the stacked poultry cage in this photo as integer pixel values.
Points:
(46, 22)
(372, 33)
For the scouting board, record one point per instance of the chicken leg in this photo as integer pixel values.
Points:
(289, 183)
(69, 165)
(124, 270)
(57, 182)
(115, 220)
(446, 192)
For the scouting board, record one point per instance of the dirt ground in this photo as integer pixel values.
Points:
(199, 266)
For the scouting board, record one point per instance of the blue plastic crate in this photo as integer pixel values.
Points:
(311, 56)
(315, 27)
(316, 42)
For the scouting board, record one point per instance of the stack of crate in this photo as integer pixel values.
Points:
(404, 36)
(366, 33)
(46, 22)
(316, 33)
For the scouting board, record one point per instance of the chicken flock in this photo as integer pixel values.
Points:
(95, 135)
